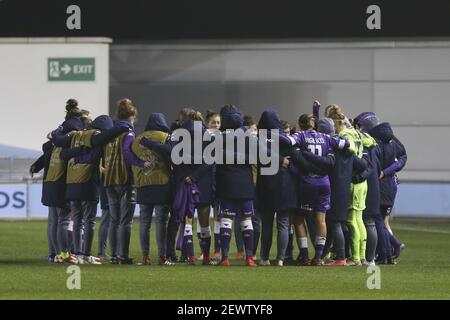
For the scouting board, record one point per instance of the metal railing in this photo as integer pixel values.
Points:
(16, 169)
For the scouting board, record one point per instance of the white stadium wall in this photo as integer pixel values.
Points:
(30, 104)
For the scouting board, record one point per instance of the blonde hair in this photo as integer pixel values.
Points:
(196, 116)
(334, 112)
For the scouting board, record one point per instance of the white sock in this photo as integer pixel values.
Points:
(205, 232)
(216, 226)
(226, 223)
(320, 241)
(188, 230)
(302, 242)
(246, 225)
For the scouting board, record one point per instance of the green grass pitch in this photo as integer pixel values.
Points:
(423, 272)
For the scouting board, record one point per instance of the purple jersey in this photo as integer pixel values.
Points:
(318, 143)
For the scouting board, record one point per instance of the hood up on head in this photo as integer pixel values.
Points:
(157, 122)
(231, 119)
(102, 123)
(382, 132)
(270, 120)
(72, 124)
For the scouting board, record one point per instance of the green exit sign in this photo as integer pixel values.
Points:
(71, 69)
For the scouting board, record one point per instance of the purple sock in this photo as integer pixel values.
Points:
(304, 254)
(216, 236)
(205, 234)
(199, 237)
(319, 251)
(247, 236)
(216, 242)
(188, 241)
(225, 235)
(319, 245)
(395, 244)
(188, 246)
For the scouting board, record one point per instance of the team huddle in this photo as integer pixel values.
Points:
(336, 183)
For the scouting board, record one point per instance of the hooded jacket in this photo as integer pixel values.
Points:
(371, 174)
(54, 184)
(83, 158)
(234, 181)
(279, 191)
(392, 159)
(153, 182)
(201, 174)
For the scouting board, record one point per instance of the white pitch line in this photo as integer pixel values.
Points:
(420, 229)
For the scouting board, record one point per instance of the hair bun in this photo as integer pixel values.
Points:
(125, 109)
(71, 104)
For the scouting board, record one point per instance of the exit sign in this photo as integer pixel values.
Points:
(71, 69)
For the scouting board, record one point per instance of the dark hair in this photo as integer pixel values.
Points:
(248, 121)
(285, 124)
(84, 112)
(71, 104)
(211, 114)
(306, 122)
(125, 109)
(228, 107)
(72, 110)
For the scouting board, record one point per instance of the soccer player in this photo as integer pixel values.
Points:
(118, 184)
(371, 213)
(249, 124)
(235, 188)
(288, 259)
(105, 220)
(314, 189)
(173, 225)
(152, 175)
(340, 179)
(213, 123)
(200, 177)
(54, 185)
(276, 194)
(393, 159)
(83, 151)
(83, 158)
(358, 190)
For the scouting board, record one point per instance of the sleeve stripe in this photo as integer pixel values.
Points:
(341, 144)
(292, 140)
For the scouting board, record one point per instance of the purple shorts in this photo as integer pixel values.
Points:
(315, 195)
(236, 208)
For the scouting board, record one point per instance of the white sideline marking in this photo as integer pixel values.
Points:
(421, 230)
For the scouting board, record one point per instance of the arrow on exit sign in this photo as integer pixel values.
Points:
(71, 69)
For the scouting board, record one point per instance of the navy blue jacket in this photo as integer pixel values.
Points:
(371, 174)
(392, 155)
(279, 191)
(201, 174)
(234, 181)
(155, 194)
